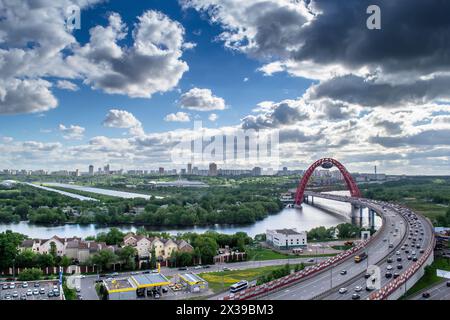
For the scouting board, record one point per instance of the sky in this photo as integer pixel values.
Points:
(126, 87)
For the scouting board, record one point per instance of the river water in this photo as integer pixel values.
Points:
(303, 219)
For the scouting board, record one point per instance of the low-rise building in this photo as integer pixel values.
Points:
(286, 238)
(75, 248)
(163, 248)
(193, 282)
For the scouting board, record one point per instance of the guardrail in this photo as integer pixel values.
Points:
(392, 286)
(297, 276)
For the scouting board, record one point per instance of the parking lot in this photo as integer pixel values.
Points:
(31, 290)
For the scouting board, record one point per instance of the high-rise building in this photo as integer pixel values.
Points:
(183, 171)
(106, 169)
(91, 170)
(189, 168)
(257, 171)
(161, 170)
(212, 169)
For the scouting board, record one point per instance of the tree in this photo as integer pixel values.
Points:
(113, 237)
(26, 259)
(103, 259)
(208, 248)
(22, 210)
(45, 260)
(9, 243)
(65, 262)
(53, 250)
(30, 274)
(127, 256)
(153, 258)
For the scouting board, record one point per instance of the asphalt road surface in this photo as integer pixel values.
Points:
(326, 284)
(438, 292)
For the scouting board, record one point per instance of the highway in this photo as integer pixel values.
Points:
(414, 229)
(396, 230)
(438, 292)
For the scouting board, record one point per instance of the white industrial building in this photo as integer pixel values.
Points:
(286, 238)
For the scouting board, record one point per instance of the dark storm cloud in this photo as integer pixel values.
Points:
(281, 114)
(414, 35)
(424, 138)
(357, 90)
(296, 135)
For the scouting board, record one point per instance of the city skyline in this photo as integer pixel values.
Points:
(127, 86)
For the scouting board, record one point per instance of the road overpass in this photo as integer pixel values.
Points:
(323, 281)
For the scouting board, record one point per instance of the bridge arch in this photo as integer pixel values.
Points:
(326, 163)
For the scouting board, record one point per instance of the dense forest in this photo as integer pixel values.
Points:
(241, 204)
(427, 195)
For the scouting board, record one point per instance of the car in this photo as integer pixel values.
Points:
(414, 259)
(25, 285)
(356, 296)
(409, 257)
(165, 290)
(421, 250)
(29, 292)
(37, 285)
(156, 296)
(15, 294)
(426, 295)
(197, 267)
(396, 275)
(398, 253)
(399, 259)
(389, 260)
(50, 294)
(343, 272)
(78, 289)
(399, 267)
(155, 271)
(182, 268)
(226, 269)
(206, 266)
(56, 293)
(42, 291)
(342, 290)
(115, 274)
(448, 284)
(413, 253)
(12, 286)
(134, 273)
(311, 260)
(391, 245)
(370, 288)
(385, 239)
(388, 274)
(5, 287)
(23, 297)
(406, 251)
(80, 297)
(402, 248)
(35, 291)
(389, 267)
(358, 288)
(148, 271)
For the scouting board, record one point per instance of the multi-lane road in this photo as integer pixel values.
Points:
(399, 227)
(440, 291)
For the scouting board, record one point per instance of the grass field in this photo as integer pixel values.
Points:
(430, 278)
(228, 278)
(260, 254)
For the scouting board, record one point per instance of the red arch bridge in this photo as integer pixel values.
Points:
(325, 163)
